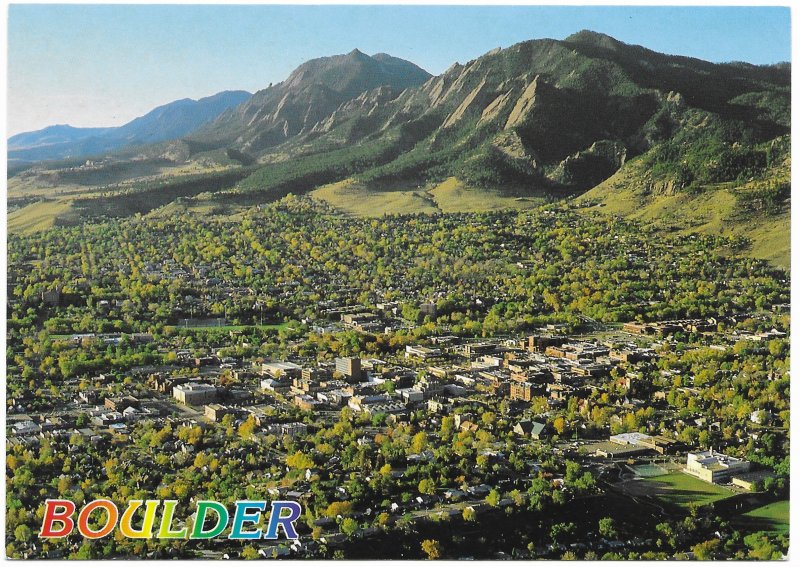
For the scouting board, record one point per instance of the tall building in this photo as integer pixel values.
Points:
(522, 391)
(350, 366)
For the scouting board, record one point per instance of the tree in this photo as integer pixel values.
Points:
(419, 442)
(349, 526)
(561, 529)
(761, 548)
(299, 461)
(432, 548)
(247, 428)
(607, 528)
(250, 552)
(335, 509)
(426, 486)
(559, 425)
(493, 498)
(469, 514)
(705, 550)
(23, 533)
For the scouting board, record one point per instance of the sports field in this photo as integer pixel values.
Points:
(773, 517)
(678, 489)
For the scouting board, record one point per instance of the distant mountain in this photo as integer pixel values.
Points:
(167, 122)
(310, 94)
(52, 135)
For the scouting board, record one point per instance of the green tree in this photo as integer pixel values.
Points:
(23, 533)
(607, 528)
(250, 552)
(349, 526)
(426, 486)
(706, 550)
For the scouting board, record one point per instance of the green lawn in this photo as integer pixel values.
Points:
(771, 518)
(681, 489)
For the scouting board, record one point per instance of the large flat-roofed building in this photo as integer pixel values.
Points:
(715, 467)
(195, 394)
(611, 450)
(632, 438)
(657, 443)
(280, 369)
(422, 352)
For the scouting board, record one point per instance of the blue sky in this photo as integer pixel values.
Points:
(103, 65)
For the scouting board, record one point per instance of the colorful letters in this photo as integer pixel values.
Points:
(98, 518)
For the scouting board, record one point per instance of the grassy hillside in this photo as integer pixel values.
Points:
(41, 216)
(755, 208)
(362, 199)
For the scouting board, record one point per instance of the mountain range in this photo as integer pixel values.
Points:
(585, 118)
(167, 122)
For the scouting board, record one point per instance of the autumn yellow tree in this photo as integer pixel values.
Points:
(432, 548)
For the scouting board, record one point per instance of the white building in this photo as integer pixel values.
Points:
(715, 467)
(195, 394)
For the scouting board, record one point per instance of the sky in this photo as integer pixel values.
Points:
(103, 65)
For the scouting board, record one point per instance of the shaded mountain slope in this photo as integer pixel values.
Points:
(559, 115)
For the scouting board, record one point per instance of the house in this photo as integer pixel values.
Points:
(52, 297)
(293, 429)
(411, 395)
(657, 443)
(108, 418)
(523, 391)
(87, 397)
(27, 427)
(532, 429)
(305, 402)
(272, 385)
(132, 414)
(761, 417)
(751, 480)
(480, 490)
(453, 494)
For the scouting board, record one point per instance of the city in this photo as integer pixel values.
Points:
(394, 396)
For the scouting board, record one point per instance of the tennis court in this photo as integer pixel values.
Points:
(648, 471)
